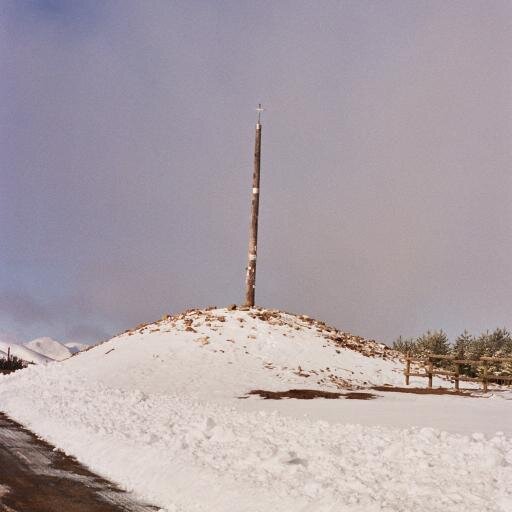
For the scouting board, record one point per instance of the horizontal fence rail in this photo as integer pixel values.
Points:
(430, 371)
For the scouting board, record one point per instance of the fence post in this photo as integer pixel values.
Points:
(407, 369)
(430, 371)
(457, 372)
(484, 378)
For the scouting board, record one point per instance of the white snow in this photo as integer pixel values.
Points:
(41, 350)
(160, 411)
(23, 352)
(75, 346)
(49, 348)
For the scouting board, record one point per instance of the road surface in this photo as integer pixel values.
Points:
(35, 478)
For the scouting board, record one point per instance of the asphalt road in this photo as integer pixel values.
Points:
(35, 478)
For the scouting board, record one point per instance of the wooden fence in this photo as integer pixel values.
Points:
(485, 377)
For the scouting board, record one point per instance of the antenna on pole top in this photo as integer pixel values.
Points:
(260, 109)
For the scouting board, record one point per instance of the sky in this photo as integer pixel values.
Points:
(126, 146)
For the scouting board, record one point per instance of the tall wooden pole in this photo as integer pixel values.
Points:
(250, 281)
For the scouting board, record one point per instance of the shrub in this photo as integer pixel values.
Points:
(433, 342)
(495, 344)
(405, 345)
(463, 349)
(12, 364)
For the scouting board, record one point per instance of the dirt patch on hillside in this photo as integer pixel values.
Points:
(308, 394)
(423, 391)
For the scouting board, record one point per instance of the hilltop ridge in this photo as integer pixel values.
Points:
(230, 351)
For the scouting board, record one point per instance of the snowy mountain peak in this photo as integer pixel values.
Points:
(40, 350)
(50, 348)
(23, 352)
(75, 346)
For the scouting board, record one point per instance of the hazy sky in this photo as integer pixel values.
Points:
(127, 132)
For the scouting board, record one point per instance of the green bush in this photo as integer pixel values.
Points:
(405, 345)
(12, 364)
(433, 342)
(463, 348)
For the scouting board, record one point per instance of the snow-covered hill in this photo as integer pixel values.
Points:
(165, 410)
(23, 352)
(41, 350)
(50, 348)
(229, 353)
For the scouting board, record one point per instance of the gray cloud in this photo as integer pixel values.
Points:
(87, 333)
(21, 308)
(127, 137)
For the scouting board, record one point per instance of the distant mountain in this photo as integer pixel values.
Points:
(75, 346)
(23, 352)
(50, 348)
(41, 350)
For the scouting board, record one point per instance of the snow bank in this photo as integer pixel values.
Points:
(190, 455)
(158, 407)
